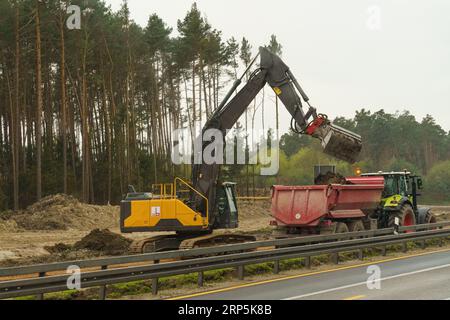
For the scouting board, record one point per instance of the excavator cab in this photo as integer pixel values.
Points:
(227, 211)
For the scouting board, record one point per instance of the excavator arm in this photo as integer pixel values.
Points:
(336, 141)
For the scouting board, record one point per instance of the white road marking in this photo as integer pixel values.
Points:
(364, 283)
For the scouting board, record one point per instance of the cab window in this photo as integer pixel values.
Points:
(403, 186)
(390, 186)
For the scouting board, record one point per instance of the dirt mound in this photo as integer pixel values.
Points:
(253, 209)
(59, 248)
(104, 241)
(330, 178)
(63, 212)
(442, 213)
(6, 224)
(254, 216)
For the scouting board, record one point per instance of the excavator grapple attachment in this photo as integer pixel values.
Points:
(341, 143)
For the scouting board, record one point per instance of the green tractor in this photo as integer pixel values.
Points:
(399, 200)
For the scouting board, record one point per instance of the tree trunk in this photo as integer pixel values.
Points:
(39, 106)
(63, 122)
(16, 122)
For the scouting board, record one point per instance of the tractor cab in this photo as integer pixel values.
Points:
(399, 199)
(399, 187)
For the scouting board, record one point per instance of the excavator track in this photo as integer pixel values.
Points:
(155, 244)
(215, 240)
(174, 242)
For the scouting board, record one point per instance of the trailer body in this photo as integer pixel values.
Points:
(309, 206)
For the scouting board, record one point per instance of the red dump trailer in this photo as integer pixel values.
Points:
(326, 208)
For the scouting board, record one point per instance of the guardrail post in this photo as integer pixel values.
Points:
(200, 279)
(102, 292)
(423, 244)
(361, 254)
(155, 284)
(40, 296)
(405, 247)
(276, 267)
(383, 251)
(335, 257)
(308, 262)
(241, 272)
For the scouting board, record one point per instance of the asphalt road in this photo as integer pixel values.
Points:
(423, 277)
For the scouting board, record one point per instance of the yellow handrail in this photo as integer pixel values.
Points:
(197, 192)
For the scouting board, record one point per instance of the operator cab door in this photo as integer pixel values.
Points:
(390, 186)
(227, 211)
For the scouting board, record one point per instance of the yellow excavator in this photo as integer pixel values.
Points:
(192, 211)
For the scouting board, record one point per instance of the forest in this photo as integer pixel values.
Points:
(88, 112)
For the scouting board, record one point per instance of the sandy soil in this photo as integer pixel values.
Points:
(71, 221)
(441, 212)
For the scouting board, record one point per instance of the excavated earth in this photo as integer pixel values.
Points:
(60, 228)
(330, 178)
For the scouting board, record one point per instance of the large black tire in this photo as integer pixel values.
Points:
(406, 216)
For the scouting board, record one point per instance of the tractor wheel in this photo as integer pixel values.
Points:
(406, 216)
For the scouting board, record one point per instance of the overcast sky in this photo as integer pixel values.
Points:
(348, 54)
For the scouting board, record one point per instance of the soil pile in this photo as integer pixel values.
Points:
(104, 241)
(330, 178)
(63, 212)
(249, 210)
(99, 242)
(7, 225)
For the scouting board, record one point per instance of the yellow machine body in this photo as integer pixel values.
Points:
(159, 212)
(165, 211)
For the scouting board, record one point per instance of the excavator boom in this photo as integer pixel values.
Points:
(336, 141)
(211, 204)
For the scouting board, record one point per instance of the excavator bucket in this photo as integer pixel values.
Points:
(342, 144)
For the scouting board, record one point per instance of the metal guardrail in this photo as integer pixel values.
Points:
(224, 257)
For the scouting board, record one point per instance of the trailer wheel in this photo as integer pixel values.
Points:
(406, 216)
(341, 227)
(356, 226)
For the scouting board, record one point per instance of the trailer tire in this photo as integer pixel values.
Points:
(356, 226)
(341, 227)
(406, 216)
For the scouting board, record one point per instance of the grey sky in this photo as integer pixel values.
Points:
(342, 63)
